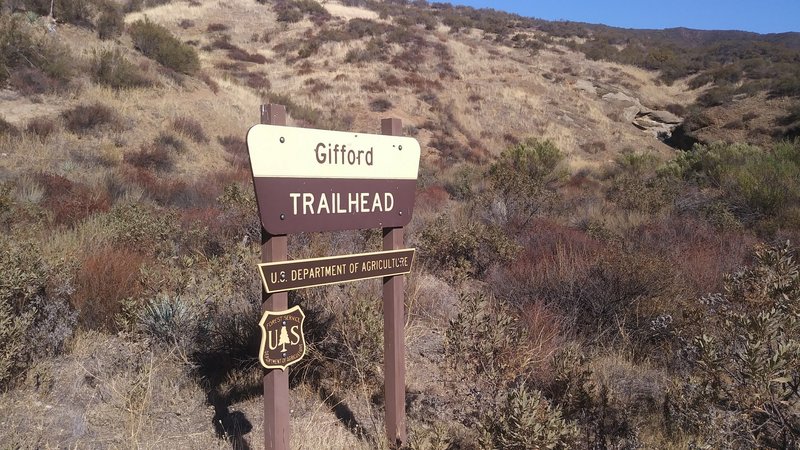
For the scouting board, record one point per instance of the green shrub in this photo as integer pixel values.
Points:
(112, 68)
(137, 226)
(23, 47)
(156, 42)
(12, 340)
(462, 186)
(307, 115)
(757, 183)
(294, 11)
(486, 339)
(111, 22)
(787, 86)
(239, 213)
(524, 420)
(745, 358)
(459, 250)
(35, 320)
(523, 177)
(649, 195)
(635, 185)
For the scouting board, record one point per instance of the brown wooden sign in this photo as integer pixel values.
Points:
(305, 273)
(317, 180)
(282, 340)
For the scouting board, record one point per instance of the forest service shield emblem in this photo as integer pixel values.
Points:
(282, 340)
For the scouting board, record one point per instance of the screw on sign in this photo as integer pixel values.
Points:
(309, 180)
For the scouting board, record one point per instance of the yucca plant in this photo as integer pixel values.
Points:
(168, 320)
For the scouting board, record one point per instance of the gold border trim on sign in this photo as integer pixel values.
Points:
(261, 267)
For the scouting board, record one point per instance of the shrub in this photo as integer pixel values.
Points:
(745, 358)
(190, 128)
(21, 48)
(30, 81)
(151, 157)
(380, 105)
(523, 176)
(373, 51)
(77, 12)
(156, 42)
(111, 21)
(306, 115)
(41, 126)
(70, 201)
(239, 218)
(216, 27)
(112, 68)
(8, 128)
(294, 11)
(236, 149)
(141, 228)
(258, 81)
(464, 249)
(83, 118)
(462, 185)
(757, 183)
(210, 82)
(636, 193)
(106, 277)
(239, 54)
(716, 96)
(34, 319)
(523, 420)
(486, 339)
(12, 340)
(169, 142)
(228, 336)
(360, 28)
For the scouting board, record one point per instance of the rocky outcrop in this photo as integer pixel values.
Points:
(629, 109)
(659, 123)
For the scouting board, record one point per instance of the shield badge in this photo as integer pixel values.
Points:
(282, 340)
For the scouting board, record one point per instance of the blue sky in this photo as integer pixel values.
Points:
(766, 16)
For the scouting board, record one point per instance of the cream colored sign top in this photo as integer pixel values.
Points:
(290, 152)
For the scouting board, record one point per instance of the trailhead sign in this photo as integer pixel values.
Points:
(309, 180)
(318, 180)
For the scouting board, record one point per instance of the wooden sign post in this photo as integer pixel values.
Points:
(310, 180)
(276, 382)
(394, 366)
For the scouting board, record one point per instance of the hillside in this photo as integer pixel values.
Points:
(577, 274)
